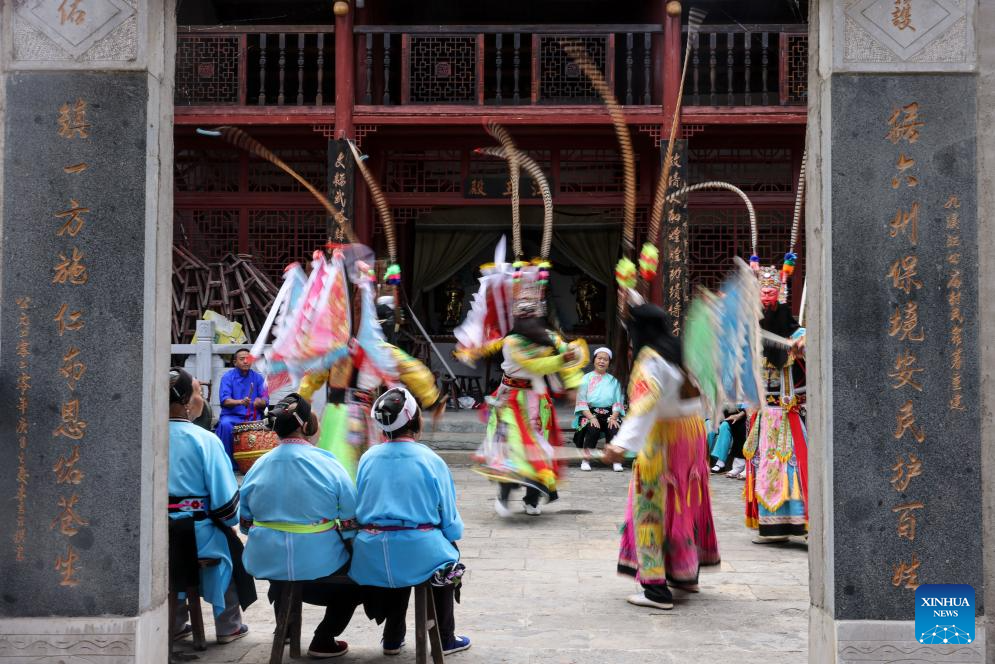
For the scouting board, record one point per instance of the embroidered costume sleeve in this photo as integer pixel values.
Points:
(417, 378)
(535, 359)
(222, 485)
(311, 383)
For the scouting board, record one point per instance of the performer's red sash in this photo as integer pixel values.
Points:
(801, 453)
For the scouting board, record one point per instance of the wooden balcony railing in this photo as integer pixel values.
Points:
(484, 65)
(502, 65)
(737, 65)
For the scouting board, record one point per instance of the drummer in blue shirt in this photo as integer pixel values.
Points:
(408, 525)
(242, 395)
(298, 504)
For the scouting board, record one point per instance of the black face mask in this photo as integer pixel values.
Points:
(650, 325)
(533, 329)
(780, 322)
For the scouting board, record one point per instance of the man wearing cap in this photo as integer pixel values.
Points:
(408, 524)
(295, 500)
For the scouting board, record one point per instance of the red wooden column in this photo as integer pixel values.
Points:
(345, 99)
(345, 95)
(672, 43)
(671, 75)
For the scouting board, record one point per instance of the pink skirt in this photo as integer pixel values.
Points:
(669, 532)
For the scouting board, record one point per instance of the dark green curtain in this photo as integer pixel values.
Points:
(440, 253)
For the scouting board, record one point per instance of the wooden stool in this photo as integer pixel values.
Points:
(426, 626)
(289, 617)
(183, 578)
(470, 385)
(288, 622)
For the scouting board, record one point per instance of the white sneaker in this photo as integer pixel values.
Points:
(738, 469)
(532, 511)
(584, 465)
(617, 467)
(501, 509)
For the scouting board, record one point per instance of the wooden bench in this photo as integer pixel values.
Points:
(288, 622)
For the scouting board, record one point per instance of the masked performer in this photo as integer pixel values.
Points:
(353, 379)
(668, 532)
(203, 496)
(522, 431)
(294, 502)
(776, 451)
(243, 397)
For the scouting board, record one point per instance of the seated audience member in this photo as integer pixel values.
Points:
(599, 408)
(408, 525)
(203, 495)
(295, 500)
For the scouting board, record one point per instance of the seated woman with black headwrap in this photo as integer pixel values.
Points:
(294, 502)
(203, 492)
(409, 524)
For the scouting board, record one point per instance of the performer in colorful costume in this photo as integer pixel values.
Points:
(776, 448)
(312, 316)
(352, 381)
(314, 346)
(508, 313)
(668, 533)
(203, 496)
(298, 506)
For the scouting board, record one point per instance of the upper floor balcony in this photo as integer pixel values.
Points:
(463, 71)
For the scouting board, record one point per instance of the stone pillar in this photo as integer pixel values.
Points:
(86, 209)
(895, 362)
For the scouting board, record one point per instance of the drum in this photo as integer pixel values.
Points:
(251, 440)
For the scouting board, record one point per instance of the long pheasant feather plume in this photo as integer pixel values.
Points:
(379, 200)
(535, 172)
(695, 18)
(579, 55)
(514, 164)
(243, 141)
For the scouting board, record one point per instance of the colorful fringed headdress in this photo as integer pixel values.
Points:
(529, 289)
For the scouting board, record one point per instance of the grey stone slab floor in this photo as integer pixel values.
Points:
(544, 590)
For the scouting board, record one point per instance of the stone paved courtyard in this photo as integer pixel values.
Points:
(544, 590)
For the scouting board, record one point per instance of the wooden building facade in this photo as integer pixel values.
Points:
(414, 83)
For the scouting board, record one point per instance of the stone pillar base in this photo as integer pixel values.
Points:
(883, 642)
(103, 640)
